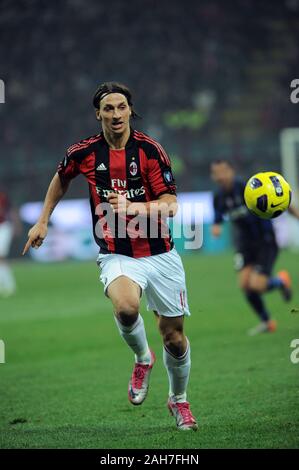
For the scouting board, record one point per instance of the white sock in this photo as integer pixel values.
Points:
(7, 280)
(135, 337)
(178, 370)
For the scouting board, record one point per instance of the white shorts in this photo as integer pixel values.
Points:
(161, 277)
(6, 232)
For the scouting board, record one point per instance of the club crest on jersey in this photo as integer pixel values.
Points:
(167, 175)
(133, 168)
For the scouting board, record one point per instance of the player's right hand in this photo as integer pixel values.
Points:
(216, 230)
(36, 236)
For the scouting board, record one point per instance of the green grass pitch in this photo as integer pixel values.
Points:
(64, 383)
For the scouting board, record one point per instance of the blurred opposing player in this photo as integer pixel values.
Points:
(7, 228)
(129, 173)
(254, 241)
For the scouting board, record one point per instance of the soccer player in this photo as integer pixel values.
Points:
(130, 174)
(8, 224)
(255, 244)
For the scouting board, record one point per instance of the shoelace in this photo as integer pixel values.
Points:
(138, 375)
(185, 412)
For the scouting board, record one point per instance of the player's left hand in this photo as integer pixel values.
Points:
(119, 203)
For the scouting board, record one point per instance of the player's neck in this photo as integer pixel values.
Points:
(117, 142)
(229, 186)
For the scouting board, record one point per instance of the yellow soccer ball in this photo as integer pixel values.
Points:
(267, 195)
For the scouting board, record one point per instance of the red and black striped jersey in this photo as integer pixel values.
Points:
(141, 171)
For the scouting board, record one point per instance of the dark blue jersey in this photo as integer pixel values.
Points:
(247, 228)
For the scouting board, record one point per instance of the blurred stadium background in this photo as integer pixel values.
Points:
(210, 79)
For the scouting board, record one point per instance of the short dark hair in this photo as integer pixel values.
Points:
(219, 161)
(113, 87)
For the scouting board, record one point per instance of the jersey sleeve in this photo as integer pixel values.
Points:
(160, 176)
(69, 167)
(218, 209)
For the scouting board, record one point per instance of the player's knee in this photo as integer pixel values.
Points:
(174, 342)
(244, 284)
(256, 285)
(127, 311)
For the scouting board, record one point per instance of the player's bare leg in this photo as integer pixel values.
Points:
(125, 297)
(244, 276)
(254, 299)
(254, 284)
(176, 357)
(258, 282)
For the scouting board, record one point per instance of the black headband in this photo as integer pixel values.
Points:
(103, 93)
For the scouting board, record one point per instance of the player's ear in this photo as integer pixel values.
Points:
(98, 115)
